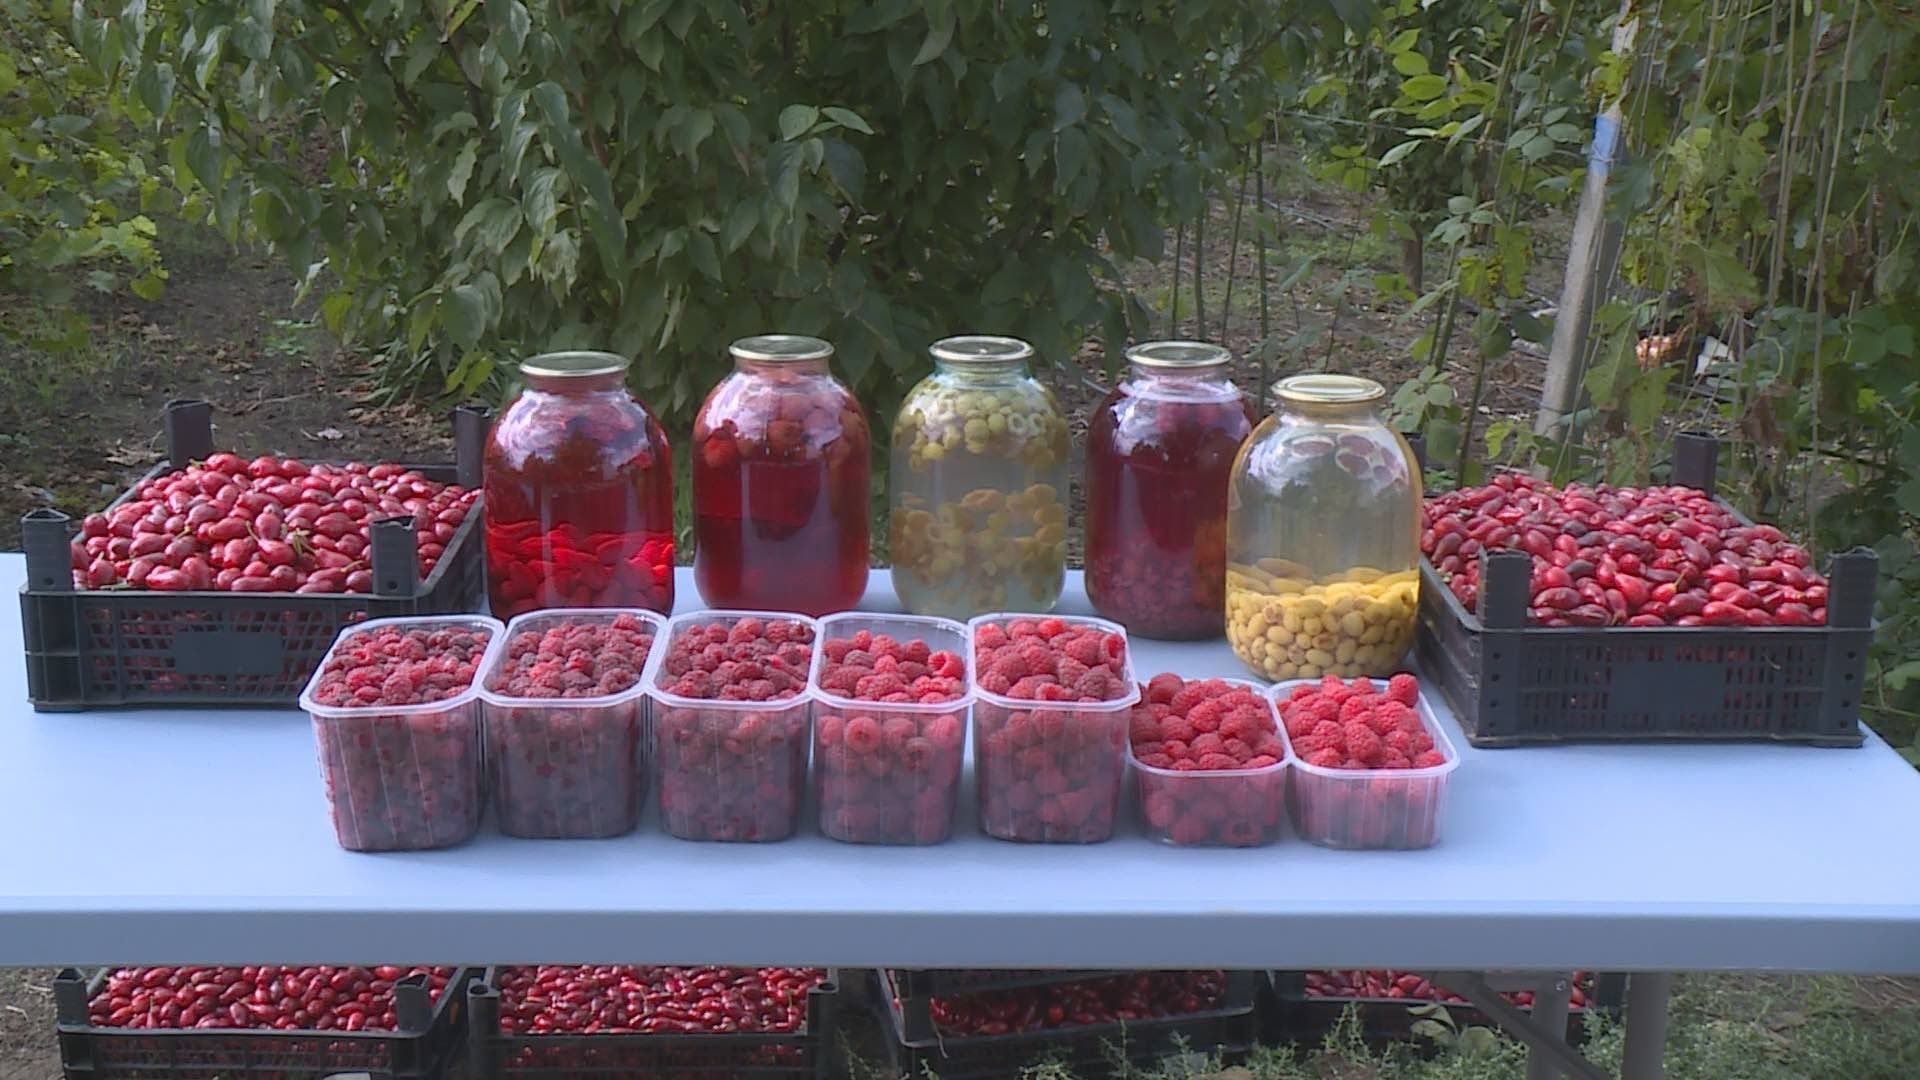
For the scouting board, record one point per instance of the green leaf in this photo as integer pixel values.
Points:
(463, 311)
(847, 118)
(797, 120)
(462, 172)
(1070, 155)
(1399, 152)
(705, 258)
(1728, 280)
(1907, 496)
(204, 156)
(939, 36)
(1069, 106)
(1410, 63)
(539, 203)
(848, 169)
(1404, 40)
(154, 84)
(1424, 87)
(609, 227)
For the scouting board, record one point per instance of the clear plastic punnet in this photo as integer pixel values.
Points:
(887, 772)
(1396, 809)
(1050, 771)
(566, 738)
(403, 777)
(732, 768)
(1217, 807)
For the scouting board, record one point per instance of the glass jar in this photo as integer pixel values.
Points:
(781, 483)
(1159, 453)
(979, 485)
(579, 492)
(1323, 520)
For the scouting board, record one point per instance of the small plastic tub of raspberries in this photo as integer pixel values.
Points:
(396, 713)
(1052, 695)
(1209, 762)
(1370, 762)
(891, 699)
(566, 714)
(730, 723)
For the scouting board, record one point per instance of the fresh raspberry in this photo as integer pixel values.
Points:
(1394, 759)
(1216, 762)
(1307, 744)
(1331, 734)
(1162, 687)
(1300, 726)
(1177, 727)
(1187, 697)
(1142, 727)
(1404, 689)
(1205, 716)
(1262, 761)
(1175, 748)
(1363, 687)
(1428, 759)
(863, 735)
(1362, 744)
(1327, 758)
(1051, 628)
(1098, 685)
(1354, 708)
(1238, 749)
(1207, 743)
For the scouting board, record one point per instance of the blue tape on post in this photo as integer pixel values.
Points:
(1606, 139)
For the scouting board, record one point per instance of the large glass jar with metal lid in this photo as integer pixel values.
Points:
(1323, 519)
(1159, 452)
(579, 492)
(781, 483)
(979, 484)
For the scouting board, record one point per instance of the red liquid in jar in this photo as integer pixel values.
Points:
(1158, 462)
(579, 498)
(780, 490)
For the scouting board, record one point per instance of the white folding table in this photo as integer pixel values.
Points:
(201, 836)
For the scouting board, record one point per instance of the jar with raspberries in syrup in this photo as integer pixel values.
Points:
(1323, 530)
(731, 723)
(890, 726)
(1159, 454)
(979, 484)
(396, 714)
(579, 492)
(1052, 699)
(565, 717)
(781, 479)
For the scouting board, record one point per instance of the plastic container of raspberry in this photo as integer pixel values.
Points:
(567, 767)
(729, 770)
(1370, 809)
(404, 777)
(1218, 807)
(888, 773)
(1051, 771)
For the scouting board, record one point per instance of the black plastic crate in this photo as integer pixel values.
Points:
(918, 1050)
(1512, 684)
(1305, 1020)
(426, 1042)
(946, 982)
(808, 1054)
(108, 648)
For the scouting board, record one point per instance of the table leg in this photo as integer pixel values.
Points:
(1550, 1004)
(1547, 1047)
(1646, 1024)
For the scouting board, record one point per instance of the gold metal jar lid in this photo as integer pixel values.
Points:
(980, 349)
(780, 348)
(1325, 389)
(577, 364)
(1178, 355)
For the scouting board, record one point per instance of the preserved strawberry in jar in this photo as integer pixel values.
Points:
(780, 483)
(579, 492)
(1160, 452)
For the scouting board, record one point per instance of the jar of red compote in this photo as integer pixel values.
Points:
(780, 483)
(579, 492)
(1159, 454)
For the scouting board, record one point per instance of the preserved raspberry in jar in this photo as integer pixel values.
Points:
(780, 483)
(1160, 452)
(579, 492)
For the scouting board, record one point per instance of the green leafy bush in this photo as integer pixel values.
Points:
(75, 186)
(468, 181)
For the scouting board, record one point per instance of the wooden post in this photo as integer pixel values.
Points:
(1592, 257)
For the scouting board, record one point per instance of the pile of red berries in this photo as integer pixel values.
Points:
(266, 525)
(279, 998)
(1357, 725)
(565, 770)
(401, 780)
(1050, 659)
(733, 771)
(1605, 556)
(1081, 1003)
(1413, 987)
(888, 776)
(1187, 735)
(614, 1000)
(1375, 779)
